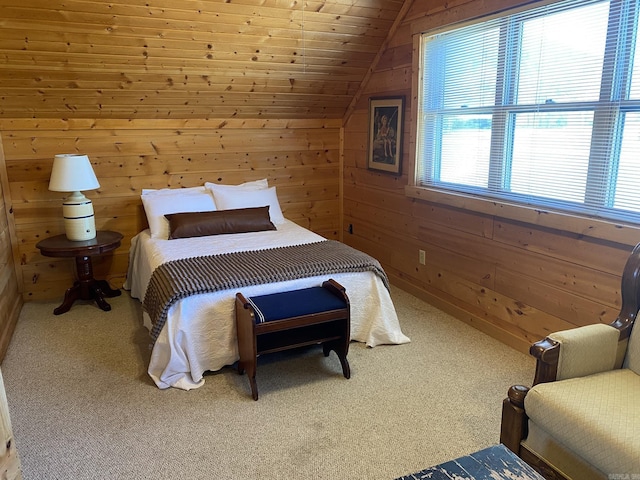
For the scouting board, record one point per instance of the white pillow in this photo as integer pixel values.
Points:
(243, 187)
(173, 200)
(230, 199)
(174, 191)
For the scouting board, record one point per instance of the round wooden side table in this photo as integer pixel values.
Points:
(86, 287)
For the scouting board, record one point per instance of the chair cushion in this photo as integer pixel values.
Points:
(632, 359)
(597, 417)
(294, 303)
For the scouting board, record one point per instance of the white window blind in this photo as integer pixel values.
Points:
(540, 107)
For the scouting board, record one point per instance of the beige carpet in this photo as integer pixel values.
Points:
(83, 407)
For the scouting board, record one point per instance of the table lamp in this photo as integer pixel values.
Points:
(72, 173)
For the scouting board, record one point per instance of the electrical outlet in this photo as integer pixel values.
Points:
(423, 257)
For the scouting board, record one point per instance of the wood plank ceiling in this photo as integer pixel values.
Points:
(187, 58)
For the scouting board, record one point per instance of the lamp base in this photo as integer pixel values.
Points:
(79, 221)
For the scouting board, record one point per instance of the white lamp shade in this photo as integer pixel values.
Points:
(72, 173)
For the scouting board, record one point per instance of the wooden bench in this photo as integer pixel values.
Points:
(286, 320)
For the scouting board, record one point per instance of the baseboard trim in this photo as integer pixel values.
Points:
(463, 315)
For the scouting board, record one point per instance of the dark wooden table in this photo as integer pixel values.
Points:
(497, 462)
(85, 287)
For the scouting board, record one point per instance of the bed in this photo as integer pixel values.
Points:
(198, 331)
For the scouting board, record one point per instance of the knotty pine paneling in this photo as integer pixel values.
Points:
(299, 157)
(188, 59)
(607, 257)
(10, 297)
(512, 278)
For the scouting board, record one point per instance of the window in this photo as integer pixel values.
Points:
(539, 107)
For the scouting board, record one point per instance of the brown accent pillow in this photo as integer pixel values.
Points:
(218, 222)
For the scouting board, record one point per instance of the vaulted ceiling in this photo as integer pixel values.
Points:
(187, 58)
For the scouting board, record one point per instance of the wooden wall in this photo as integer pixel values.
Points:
(10, 297)
(516, 274)
(300, 157)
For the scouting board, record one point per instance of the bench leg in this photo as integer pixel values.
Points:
(346, 370)
(247, 343)
(338, 346)
(254, 386)
(251, 368)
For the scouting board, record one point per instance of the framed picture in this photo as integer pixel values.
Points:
(385, 134)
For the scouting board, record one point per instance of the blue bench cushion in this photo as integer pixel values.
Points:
(294, 303)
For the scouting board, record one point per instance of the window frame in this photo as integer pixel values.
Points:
(583, 224)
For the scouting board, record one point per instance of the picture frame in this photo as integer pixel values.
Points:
(386, 124)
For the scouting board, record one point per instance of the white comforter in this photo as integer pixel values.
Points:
(200, 332)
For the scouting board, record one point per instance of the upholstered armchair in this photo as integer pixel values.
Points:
(581, 418)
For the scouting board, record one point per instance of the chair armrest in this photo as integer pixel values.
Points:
(513, 427)
(576, 352)
(546, 352)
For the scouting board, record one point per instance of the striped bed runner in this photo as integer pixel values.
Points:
(178, 279)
